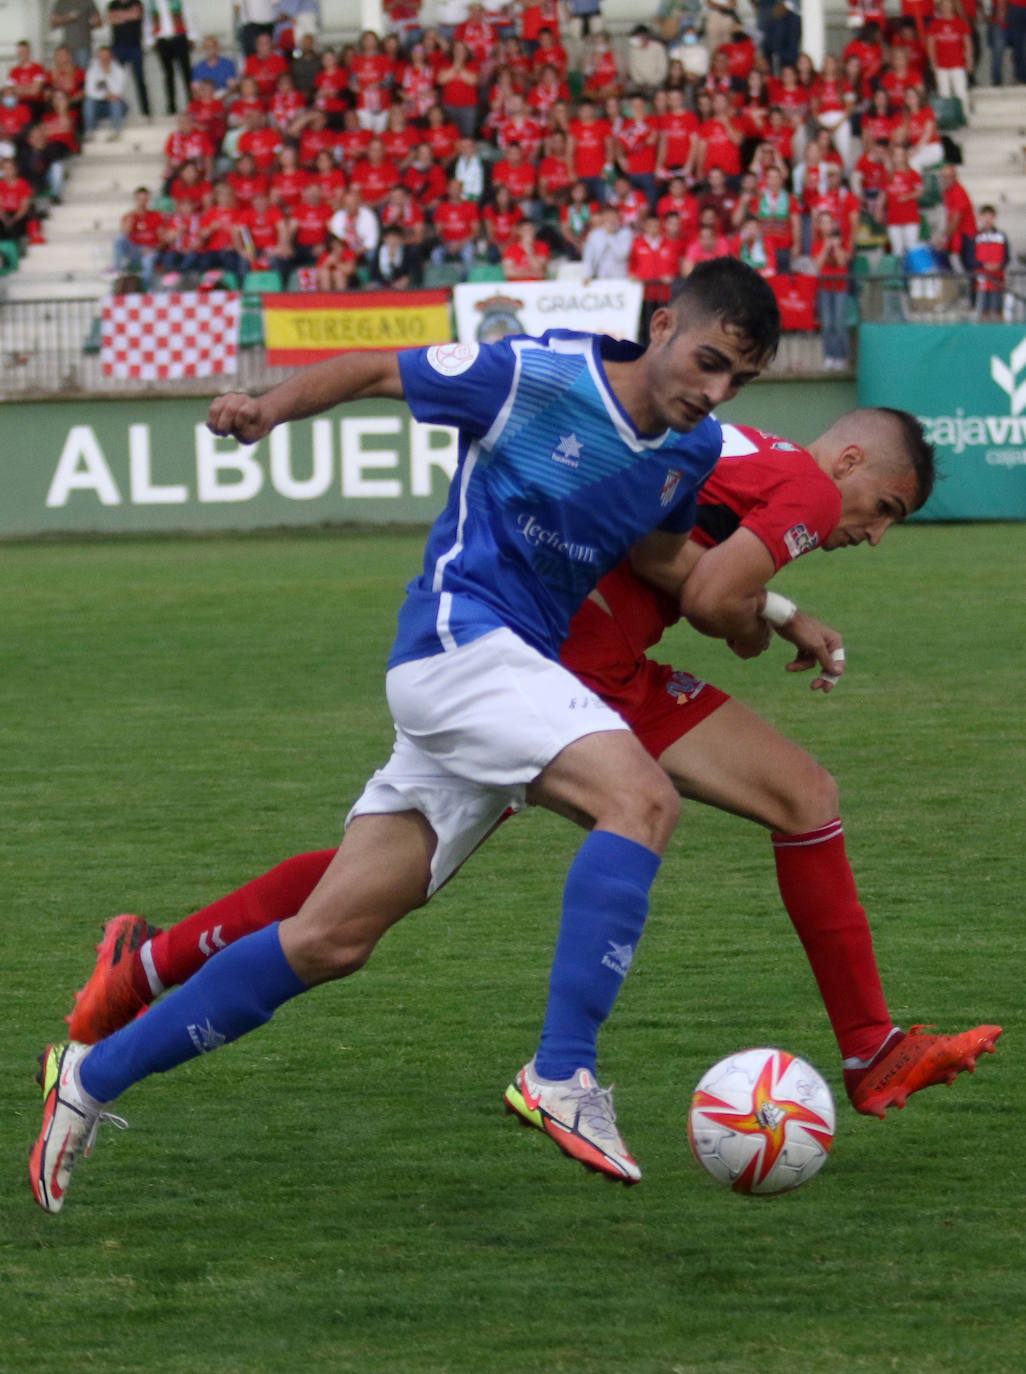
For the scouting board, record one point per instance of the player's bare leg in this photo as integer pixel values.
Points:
(735, 761)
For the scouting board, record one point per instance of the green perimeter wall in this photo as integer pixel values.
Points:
(134, 465)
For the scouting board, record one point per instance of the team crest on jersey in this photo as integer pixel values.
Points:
(684, 687)
(453, 358)
(799, 540)
(568, 451)
(670, 486)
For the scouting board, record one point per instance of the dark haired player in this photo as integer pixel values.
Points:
(572, 448)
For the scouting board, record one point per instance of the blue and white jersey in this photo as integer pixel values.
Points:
(553, 486)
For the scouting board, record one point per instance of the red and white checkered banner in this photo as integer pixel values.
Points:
(165, 338)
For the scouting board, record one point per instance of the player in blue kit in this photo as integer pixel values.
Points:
(572, 449)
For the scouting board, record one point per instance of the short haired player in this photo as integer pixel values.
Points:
(767, 502)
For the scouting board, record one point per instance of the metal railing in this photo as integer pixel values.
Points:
(53, 347)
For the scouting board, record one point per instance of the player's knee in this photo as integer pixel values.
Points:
(812, 799)
(648, 808)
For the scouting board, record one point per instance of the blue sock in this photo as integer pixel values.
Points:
(234, 992)
(605, 903)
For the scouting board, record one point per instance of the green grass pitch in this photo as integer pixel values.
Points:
(341, 1191)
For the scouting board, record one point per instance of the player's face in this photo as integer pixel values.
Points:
(873, 498)
(691, 369)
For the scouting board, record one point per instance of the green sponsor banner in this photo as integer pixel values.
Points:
(138, 465)
(967, 384)
(141, 464)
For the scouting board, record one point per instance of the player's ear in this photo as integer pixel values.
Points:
(662, 325)
(850, 457)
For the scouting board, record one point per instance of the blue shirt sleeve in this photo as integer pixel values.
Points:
(465, 385)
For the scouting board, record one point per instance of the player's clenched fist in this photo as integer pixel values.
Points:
(241, 416)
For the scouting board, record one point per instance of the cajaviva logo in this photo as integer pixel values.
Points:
(1002, 437)
(1006, 377)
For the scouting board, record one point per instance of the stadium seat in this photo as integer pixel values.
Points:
(948, 111)
(259, 283)
(9, 256)
(251, 323)
(486, 271)
(442, 274)
(164, 204)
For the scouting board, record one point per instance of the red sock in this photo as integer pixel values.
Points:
(819, 893)
(177, 953)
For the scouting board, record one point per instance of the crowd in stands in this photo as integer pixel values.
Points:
(426, 152)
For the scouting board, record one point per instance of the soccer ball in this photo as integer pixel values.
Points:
(762, 1121)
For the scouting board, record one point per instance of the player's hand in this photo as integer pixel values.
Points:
(751, 646)
(240, 416)
(819, 645)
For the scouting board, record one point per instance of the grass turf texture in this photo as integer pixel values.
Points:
(340, 1190)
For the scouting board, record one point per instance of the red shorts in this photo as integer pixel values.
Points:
(659, 703)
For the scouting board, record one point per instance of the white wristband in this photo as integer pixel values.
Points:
(778, 610)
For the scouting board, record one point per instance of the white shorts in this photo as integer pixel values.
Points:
(473, 727)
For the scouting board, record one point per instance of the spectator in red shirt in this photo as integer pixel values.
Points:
(549, 53)
(307, 227)
(425, 178)
(247, 102)
(28, 80)
(64, 76)
(478, 35)
(336, 268)
(719, 137)
(265, 65)
(990, 257)
(288, 179)
(555, 175)
(181, 245)
(208, 112)
(331, 89)
(677, 149)
(501, 216)
(960, 219)
(417, 84)
(710, 243)
(246, 180)
(261, 235)
(900, 197)
(526, 257)
(190, 188)
(520, 127)
(261, 140)
(515, 172)
(841, 204)
(949, 48)
(591, 149)
(458, 87)
(457, 224)
(400, 211)
(653, 256)
(217, 235)
(15, 116)
(919, 132)
(719, 198)
(288, 107)
(898, 76)
(602, 75)
(630, 202)
(140, 239)
(636, 145)
(679, 201)
(869, 178)
(831, 262)
(400, 138)
(374, 174)
(881, 121)
(549, 91)
(371, 76)
(779, 214)
(315, 138)
(443, 136)
(326, 172)
(186, 143)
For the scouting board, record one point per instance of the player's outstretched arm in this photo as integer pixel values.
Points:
(349, 377)
(725, 592)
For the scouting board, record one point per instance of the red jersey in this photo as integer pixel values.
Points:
(456, 220)
(957, 202)
(287, 187)
(146, 228)
(371, 73)
(555, 174)
(211, 117)
(501, 223)
(949, 36)
(265, 71)
(408, 216)
(190, 193)
(400, 143)
(216, 226)
(903, 188)
(461, 88)
(426, 184)
(479, 37)
(514, 257)
(246, 187)
(375, 180)
(649, 261)
(28, 79)
(444, 140)
(990, 258)
(678, 129)
(242, 108)
(285, 105)
(844, 206)
(262, 226)
(263, 145)
(638, 140)
(873, 175)
(589, 146)
(311, 223)
(520, 179)
(605, 73)
(14, 119)
(523, 130)
(761, 483)
(720, 148)
(312, 141)
(535, 17)
(686, 206)
(330, 86)
(183, 231)
(181, 147)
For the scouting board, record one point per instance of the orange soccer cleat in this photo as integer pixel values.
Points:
(906, 1063)
(112, 996)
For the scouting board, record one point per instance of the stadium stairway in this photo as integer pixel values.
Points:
(80, 232)
(993, 167)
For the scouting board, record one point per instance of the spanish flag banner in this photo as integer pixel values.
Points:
(305, 328)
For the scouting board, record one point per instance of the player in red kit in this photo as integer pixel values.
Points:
(767, 503)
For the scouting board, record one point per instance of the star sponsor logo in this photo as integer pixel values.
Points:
(618, 958)
(452, 359)
(670, 486)
(799, 540)
(568, 451)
